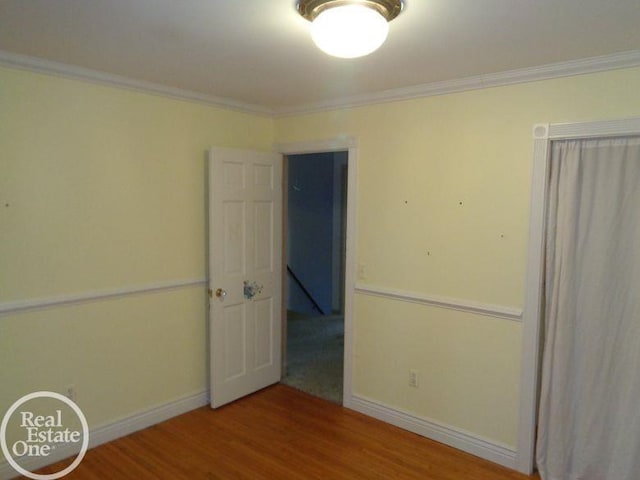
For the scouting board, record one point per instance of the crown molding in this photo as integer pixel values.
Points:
(40, 65)
(543, 72)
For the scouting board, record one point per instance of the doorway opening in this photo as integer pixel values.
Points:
(314, 272)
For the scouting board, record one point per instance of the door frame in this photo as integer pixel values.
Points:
(543, 135)
(350, 145)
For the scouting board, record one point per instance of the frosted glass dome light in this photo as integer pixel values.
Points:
(349, 31)
(349, 28)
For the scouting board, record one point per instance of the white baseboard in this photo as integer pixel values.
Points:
(117, 429)
(483, 448)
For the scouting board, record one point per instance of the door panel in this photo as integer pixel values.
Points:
(245, 263)
(264, 329)
(263, 217)
(234, 318)
(234, 241)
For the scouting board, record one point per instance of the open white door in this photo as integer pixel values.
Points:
(245, 263)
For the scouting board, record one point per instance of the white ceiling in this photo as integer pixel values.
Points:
(259, 52)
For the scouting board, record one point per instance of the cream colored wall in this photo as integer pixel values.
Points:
(103, 188)
(443, 203)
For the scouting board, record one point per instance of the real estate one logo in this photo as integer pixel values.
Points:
(37, 425)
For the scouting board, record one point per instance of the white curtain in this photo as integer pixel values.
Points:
(589, 418)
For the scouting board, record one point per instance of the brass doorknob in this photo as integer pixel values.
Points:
(221, 293)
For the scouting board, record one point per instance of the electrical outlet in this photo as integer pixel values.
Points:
(413, 378)
(71, 392)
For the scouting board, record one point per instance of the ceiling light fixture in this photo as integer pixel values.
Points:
(349, 28)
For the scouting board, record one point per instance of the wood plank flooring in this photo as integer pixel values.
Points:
(280, 433)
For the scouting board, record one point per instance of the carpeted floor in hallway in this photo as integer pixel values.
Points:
(315, 354)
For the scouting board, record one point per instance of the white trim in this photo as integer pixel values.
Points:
(543, 135)
(498, 311)
(117, 429)
(332, 145)
(531, 74)
(532, 304)
(603, 128)
(49, 67)
(454, 437)
(328, 145)
(350, 273)
(73, 299)
(147, 418)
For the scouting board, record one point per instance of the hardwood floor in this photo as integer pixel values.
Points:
(280, 433)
